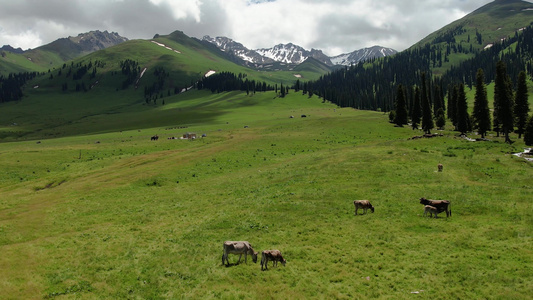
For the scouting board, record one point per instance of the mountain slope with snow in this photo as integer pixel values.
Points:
(290, 54)
(362, 55)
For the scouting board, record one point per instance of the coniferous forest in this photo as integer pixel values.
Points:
(372, 85)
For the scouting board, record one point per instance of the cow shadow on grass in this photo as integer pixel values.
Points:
(231, 265)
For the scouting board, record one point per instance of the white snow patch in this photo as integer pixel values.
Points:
(297, 75)
(209, 73)
(488, 46)
(166, 47)
(142, 73)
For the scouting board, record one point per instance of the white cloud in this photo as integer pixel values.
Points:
(24, 40)
(181, 9)
(334, 26)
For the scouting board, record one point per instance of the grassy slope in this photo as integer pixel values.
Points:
(494, 21)
(15, 63)
(46, 111)
(41, 59)
(132, 218)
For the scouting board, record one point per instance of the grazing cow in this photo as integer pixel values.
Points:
(364, 204)
(240, 247)
(439, 167)
(431, 210)
(440, 205)
(154, 138)
(274, 256)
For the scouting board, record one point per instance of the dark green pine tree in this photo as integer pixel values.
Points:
(481, 106)
(528, 132)
(401, 107)
(437, 100)
(427, 116)
(503, 102)
(440, 118)
(416, 110)
(521, 105)
(462, 111)
(452, 99)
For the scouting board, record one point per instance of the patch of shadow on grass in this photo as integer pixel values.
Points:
(81, 287)
(50, 185)
(422, 228)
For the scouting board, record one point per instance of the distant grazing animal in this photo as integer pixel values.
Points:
(154, 138)
(431, 210)
(440, 205)
(239, 247)
(439, 167)
(304, 116)
(271, 255)
(364, 204)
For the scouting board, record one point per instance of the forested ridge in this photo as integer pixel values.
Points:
(372, 85)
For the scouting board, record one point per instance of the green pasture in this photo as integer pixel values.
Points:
(100, 211)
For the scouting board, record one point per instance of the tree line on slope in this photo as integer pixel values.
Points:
(510, 113)
(227, 81)
(372, 85)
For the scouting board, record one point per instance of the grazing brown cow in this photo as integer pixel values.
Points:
(239, 247)
(431, 210)
(439, 167)
(364, 204)
(440, 205)
(274, 256)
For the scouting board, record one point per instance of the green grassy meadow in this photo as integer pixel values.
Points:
(99, 211)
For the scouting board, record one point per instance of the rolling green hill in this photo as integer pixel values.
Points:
(109, 83)
(56, 53)
(478, 30)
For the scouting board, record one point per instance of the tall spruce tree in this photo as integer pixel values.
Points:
(452, 105)
(521, 105)
(481, 106)
(401, 108)
(528, 132)
(427, 116)
(437, 100)
(462, 111)
(440, 118)
(416, 113)
(503, 102)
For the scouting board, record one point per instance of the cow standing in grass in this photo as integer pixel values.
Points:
(440, 205)
(439, 167)
(431, 210)
(272, 255)
(363, 204)
(239, 247)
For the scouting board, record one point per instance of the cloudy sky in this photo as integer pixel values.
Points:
(334, 26)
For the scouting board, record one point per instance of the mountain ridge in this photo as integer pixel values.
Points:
(293, 54)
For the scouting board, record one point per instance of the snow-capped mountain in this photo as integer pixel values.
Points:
(237, 49)
(362, 55)
(293, 54)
